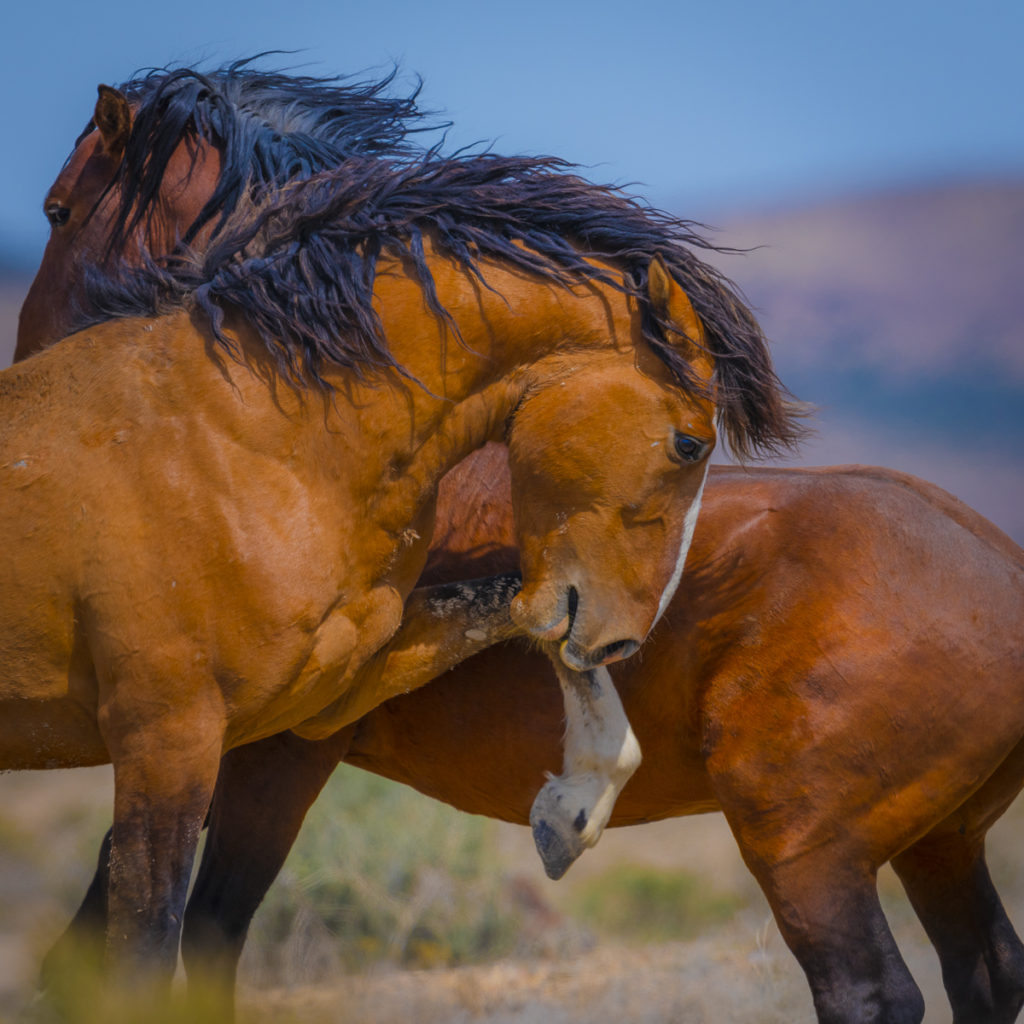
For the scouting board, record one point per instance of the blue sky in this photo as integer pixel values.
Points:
(707, 107)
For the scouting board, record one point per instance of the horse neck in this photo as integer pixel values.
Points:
(509, 325)
(469, 373)
(502, 339)
(414, 438)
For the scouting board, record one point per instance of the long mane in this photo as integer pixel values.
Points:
(269, 128)
(325, 178)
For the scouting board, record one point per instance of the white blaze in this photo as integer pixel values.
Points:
(689, 525)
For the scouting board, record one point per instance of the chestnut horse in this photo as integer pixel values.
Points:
(841, 673)
(823, 677)
(798, 682)
(166, 162)
(437, 304)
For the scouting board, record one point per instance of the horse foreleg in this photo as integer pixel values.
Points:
(442, 625)
(825, 902)
(164, 775)
(263, 793)
(600, 753)
(246, 846)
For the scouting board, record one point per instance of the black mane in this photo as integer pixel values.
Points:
(301, 265)
(269, 127)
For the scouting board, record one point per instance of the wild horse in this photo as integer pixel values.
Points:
(823, 678)
(172, 156)
(218, 512)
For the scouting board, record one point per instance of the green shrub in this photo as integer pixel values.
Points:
(642, 904)
(381, 873)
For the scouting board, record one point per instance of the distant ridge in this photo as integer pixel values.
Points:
(914, 282)
(900, 314)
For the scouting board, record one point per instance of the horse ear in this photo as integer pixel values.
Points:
(113, 119)
(670, 302)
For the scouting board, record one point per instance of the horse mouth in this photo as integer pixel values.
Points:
(580, 660)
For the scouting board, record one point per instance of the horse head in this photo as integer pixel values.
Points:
(605, 514)
(169, 155)
(84, 207)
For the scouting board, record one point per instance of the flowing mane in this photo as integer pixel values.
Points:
(301, 262)
(269, 127)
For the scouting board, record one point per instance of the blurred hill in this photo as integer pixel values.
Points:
(900, 315)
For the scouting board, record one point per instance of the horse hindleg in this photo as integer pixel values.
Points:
(982, 958)
(828, 912)
(600, 754)
(947, 882)
(85, 936)
(263, 793)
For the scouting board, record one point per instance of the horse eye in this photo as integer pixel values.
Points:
(689, 448)
(57, 215)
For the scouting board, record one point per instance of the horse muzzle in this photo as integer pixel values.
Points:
(555, 615)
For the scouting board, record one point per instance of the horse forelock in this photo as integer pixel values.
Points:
(300, 260)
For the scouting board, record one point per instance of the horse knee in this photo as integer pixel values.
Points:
(862, 980)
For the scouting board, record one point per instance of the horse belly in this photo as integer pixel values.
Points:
(54, 732)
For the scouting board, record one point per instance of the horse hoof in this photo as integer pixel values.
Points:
(556, 854)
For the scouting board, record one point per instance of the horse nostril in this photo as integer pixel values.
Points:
(617, 651)
(572, 602)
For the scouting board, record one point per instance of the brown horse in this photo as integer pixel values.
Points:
(188, 571)
(822, 677)
(840, 674)
(171, 169)
(170, 159)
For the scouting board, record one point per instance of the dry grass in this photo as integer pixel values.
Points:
(559, 971)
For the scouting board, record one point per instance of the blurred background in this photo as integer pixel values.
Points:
(870, 156)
